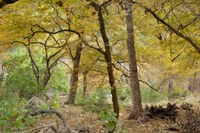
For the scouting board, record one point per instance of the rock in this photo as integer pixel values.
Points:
(36, 101)
(50, 93)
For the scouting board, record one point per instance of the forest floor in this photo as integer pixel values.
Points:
(80, 121)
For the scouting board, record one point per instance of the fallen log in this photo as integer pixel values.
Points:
(170, 112)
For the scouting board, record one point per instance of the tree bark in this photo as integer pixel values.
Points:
(85, 73)
(170, 88)
(108, 58)
(134, 82)
(194, 83)
(74, 76)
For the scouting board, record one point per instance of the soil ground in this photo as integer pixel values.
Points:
(80, 121)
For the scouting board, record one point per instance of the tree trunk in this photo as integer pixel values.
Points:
(74, 76)
(1, 78)
(170, 88)
(194, 84)
(134, 82)
(47, 76)
(85, 73)
(108, 58)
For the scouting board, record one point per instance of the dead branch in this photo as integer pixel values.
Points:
(38, 127)
(59, 115)
(170, 112)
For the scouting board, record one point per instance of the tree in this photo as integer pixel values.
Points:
(75, 72)
(107, 55)
(178, 10)
(134, 82)
(52, 50)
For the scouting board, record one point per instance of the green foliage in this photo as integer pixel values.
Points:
(159, 51)
(95, 102)
(58, 79)
(12, 112)
(123, 93)
(178, 93)
(55, 101)
(109, 119)
(150, 96)
(21, 79)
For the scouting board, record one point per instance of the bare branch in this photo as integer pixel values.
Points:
(33, 63)
(66, 65)
(55, 62)
(191, 22)
(34, 66)
(93, 47)
(173, 59)
(172, 8)
(96, 38)
(56, 53)
(148, 85)
(43, 30)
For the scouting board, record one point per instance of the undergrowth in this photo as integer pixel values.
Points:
(12, 115)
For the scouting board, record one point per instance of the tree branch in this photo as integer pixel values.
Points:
(6, 2)
(43, 30)
(100, 50)
(59, 115)
(33, 63)
(195, 45)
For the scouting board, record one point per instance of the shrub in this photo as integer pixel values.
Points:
(109, 119)
(123, 93)
(96, 102)
(179, 93)
(12, 112)
(55, 101)
(21, 80)
(150, 96)
(58, 79)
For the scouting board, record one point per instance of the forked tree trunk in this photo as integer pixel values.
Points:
(47, 76)
(73, 83)
(74, 76)
(134, 82)
(108, 58)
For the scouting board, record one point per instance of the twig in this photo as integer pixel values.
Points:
(29, 130)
